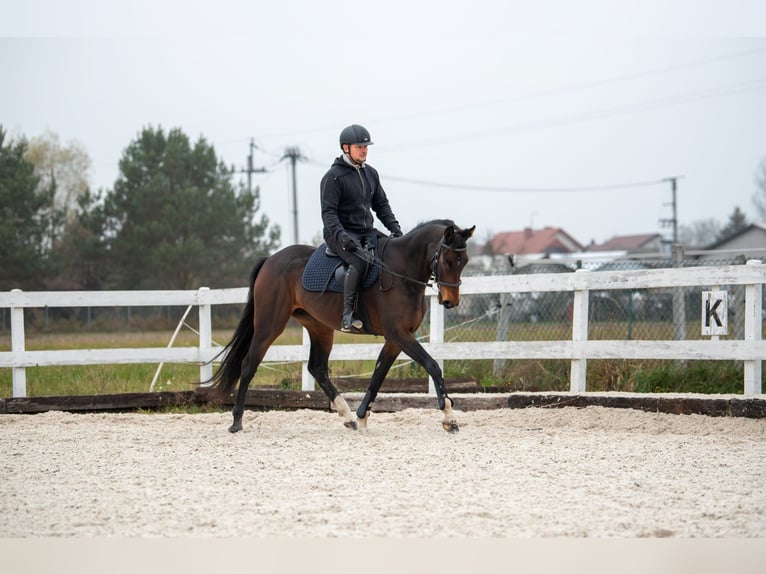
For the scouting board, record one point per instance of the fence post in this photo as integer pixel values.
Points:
(679, 304)
(205, 333)
(307, 381)
(753, 332)
(501, 333)
(577, 382)
(436, 336)
(19, 374)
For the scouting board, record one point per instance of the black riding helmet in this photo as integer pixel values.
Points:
(355, 134)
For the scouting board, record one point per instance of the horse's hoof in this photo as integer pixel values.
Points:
(350, 425)
(236, 427)
(450, 426)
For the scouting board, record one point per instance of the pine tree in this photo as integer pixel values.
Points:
(26, 218)
(176, 221)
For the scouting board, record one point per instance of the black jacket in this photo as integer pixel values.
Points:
(348, 195)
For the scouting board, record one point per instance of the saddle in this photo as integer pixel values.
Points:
(325, 272)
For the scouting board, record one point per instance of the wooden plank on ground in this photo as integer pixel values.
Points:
(96, 403)
(261, 399)
(410, 385)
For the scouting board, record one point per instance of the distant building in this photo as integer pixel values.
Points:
(533, 241)
(749, 242)
(642, 243)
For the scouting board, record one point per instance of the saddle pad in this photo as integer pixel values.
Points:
(319, 273)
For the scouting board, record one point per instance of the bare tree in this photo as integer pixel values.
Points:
(66, 166)
(700, 234)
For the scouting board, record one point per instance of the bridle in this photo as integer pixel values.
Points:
(435, 266)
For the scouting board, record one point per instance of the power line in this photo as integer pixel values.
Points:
(508, 189)
(519, 189)
(537, 94)
(585, 116)
(575, 87)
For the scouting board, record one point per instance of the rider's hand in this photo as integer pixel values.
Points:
(396, 232)
(348, 243)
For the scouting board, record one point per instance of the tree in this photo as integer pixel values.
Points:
(175, 220)
(759, 198)
(700, 234)
(25, 220)
(737, 222)
(82, 254)
(67, 164)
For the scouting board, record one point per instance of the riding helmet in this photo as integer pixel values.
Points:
(355, 134)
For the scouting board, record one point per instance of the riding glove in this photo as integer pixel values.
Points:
(348, 243)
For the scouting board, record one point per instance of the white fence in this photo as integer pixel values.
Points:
(751, 349)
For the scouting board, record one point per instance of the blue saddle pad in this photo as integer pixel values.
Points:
(319, 273)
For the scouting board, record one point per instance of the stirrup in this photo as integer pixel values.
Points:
(349, 324)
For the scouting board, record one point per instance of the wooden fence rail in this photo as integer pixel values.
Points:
(751, 349)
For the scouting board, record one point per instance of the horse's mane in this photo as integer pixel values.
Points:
(445, 222)
(459, 239)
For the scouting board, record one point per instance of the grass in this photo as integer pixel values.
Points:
(133, 378)
(514, 375)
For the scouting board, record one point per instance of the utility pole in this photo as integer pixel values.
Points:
(294, 154)
(672, 222)
(250, 170)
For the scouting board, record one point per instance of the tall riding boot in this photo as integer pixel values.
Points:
(348, 322)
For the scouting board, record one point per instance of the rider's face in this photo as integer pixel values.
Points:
(358, 152)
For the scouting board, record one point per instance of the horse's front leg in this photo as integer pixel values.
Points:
(449, 422)
(416, 351)
(344, 411)
(386, 358)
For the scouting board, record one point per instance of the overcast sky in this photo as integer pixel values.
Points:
(499, 114)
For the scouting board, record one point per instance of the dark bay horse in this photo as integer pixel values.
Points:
(392, 307)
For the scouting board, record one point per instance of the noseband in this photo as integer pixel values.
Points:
(435, 265)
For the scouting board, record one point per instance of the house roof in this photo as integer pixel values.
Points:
(527, 241)
(748, 229)
(626, 242)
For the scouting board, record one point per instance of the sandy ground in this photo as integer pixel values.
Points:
(535, 472)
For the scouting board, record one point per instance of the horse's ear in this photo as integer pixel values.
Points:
(469, 232)
(449, 234)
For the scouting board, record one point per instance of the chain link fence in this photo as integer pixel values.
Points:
(624, 314)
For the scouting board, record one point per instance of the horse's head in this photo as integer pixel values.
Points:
(448, 264)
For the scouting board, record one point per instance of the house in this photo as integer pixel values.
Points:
(642, 243)
(750, 242)
(533, 241)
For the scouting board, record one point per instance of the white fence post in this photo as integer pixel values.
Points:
(19, 374)
(205, 333)
(749, 348)
(753, 332)
(436, 335)
(307, 381)
(577, 382)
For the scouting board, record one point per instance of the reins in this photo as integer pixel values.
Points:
(434, 278)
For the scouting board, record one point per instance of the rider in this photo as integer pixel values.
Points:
(349, 190)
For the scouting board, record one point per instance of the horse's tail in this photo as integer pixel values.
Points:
(234, 352)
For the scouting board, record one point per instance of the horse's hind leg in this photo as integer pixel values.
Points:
(319, 355)
(258, 347)
(386, 358)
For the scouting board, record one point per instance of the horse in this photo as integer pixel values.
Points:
(434, 252)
